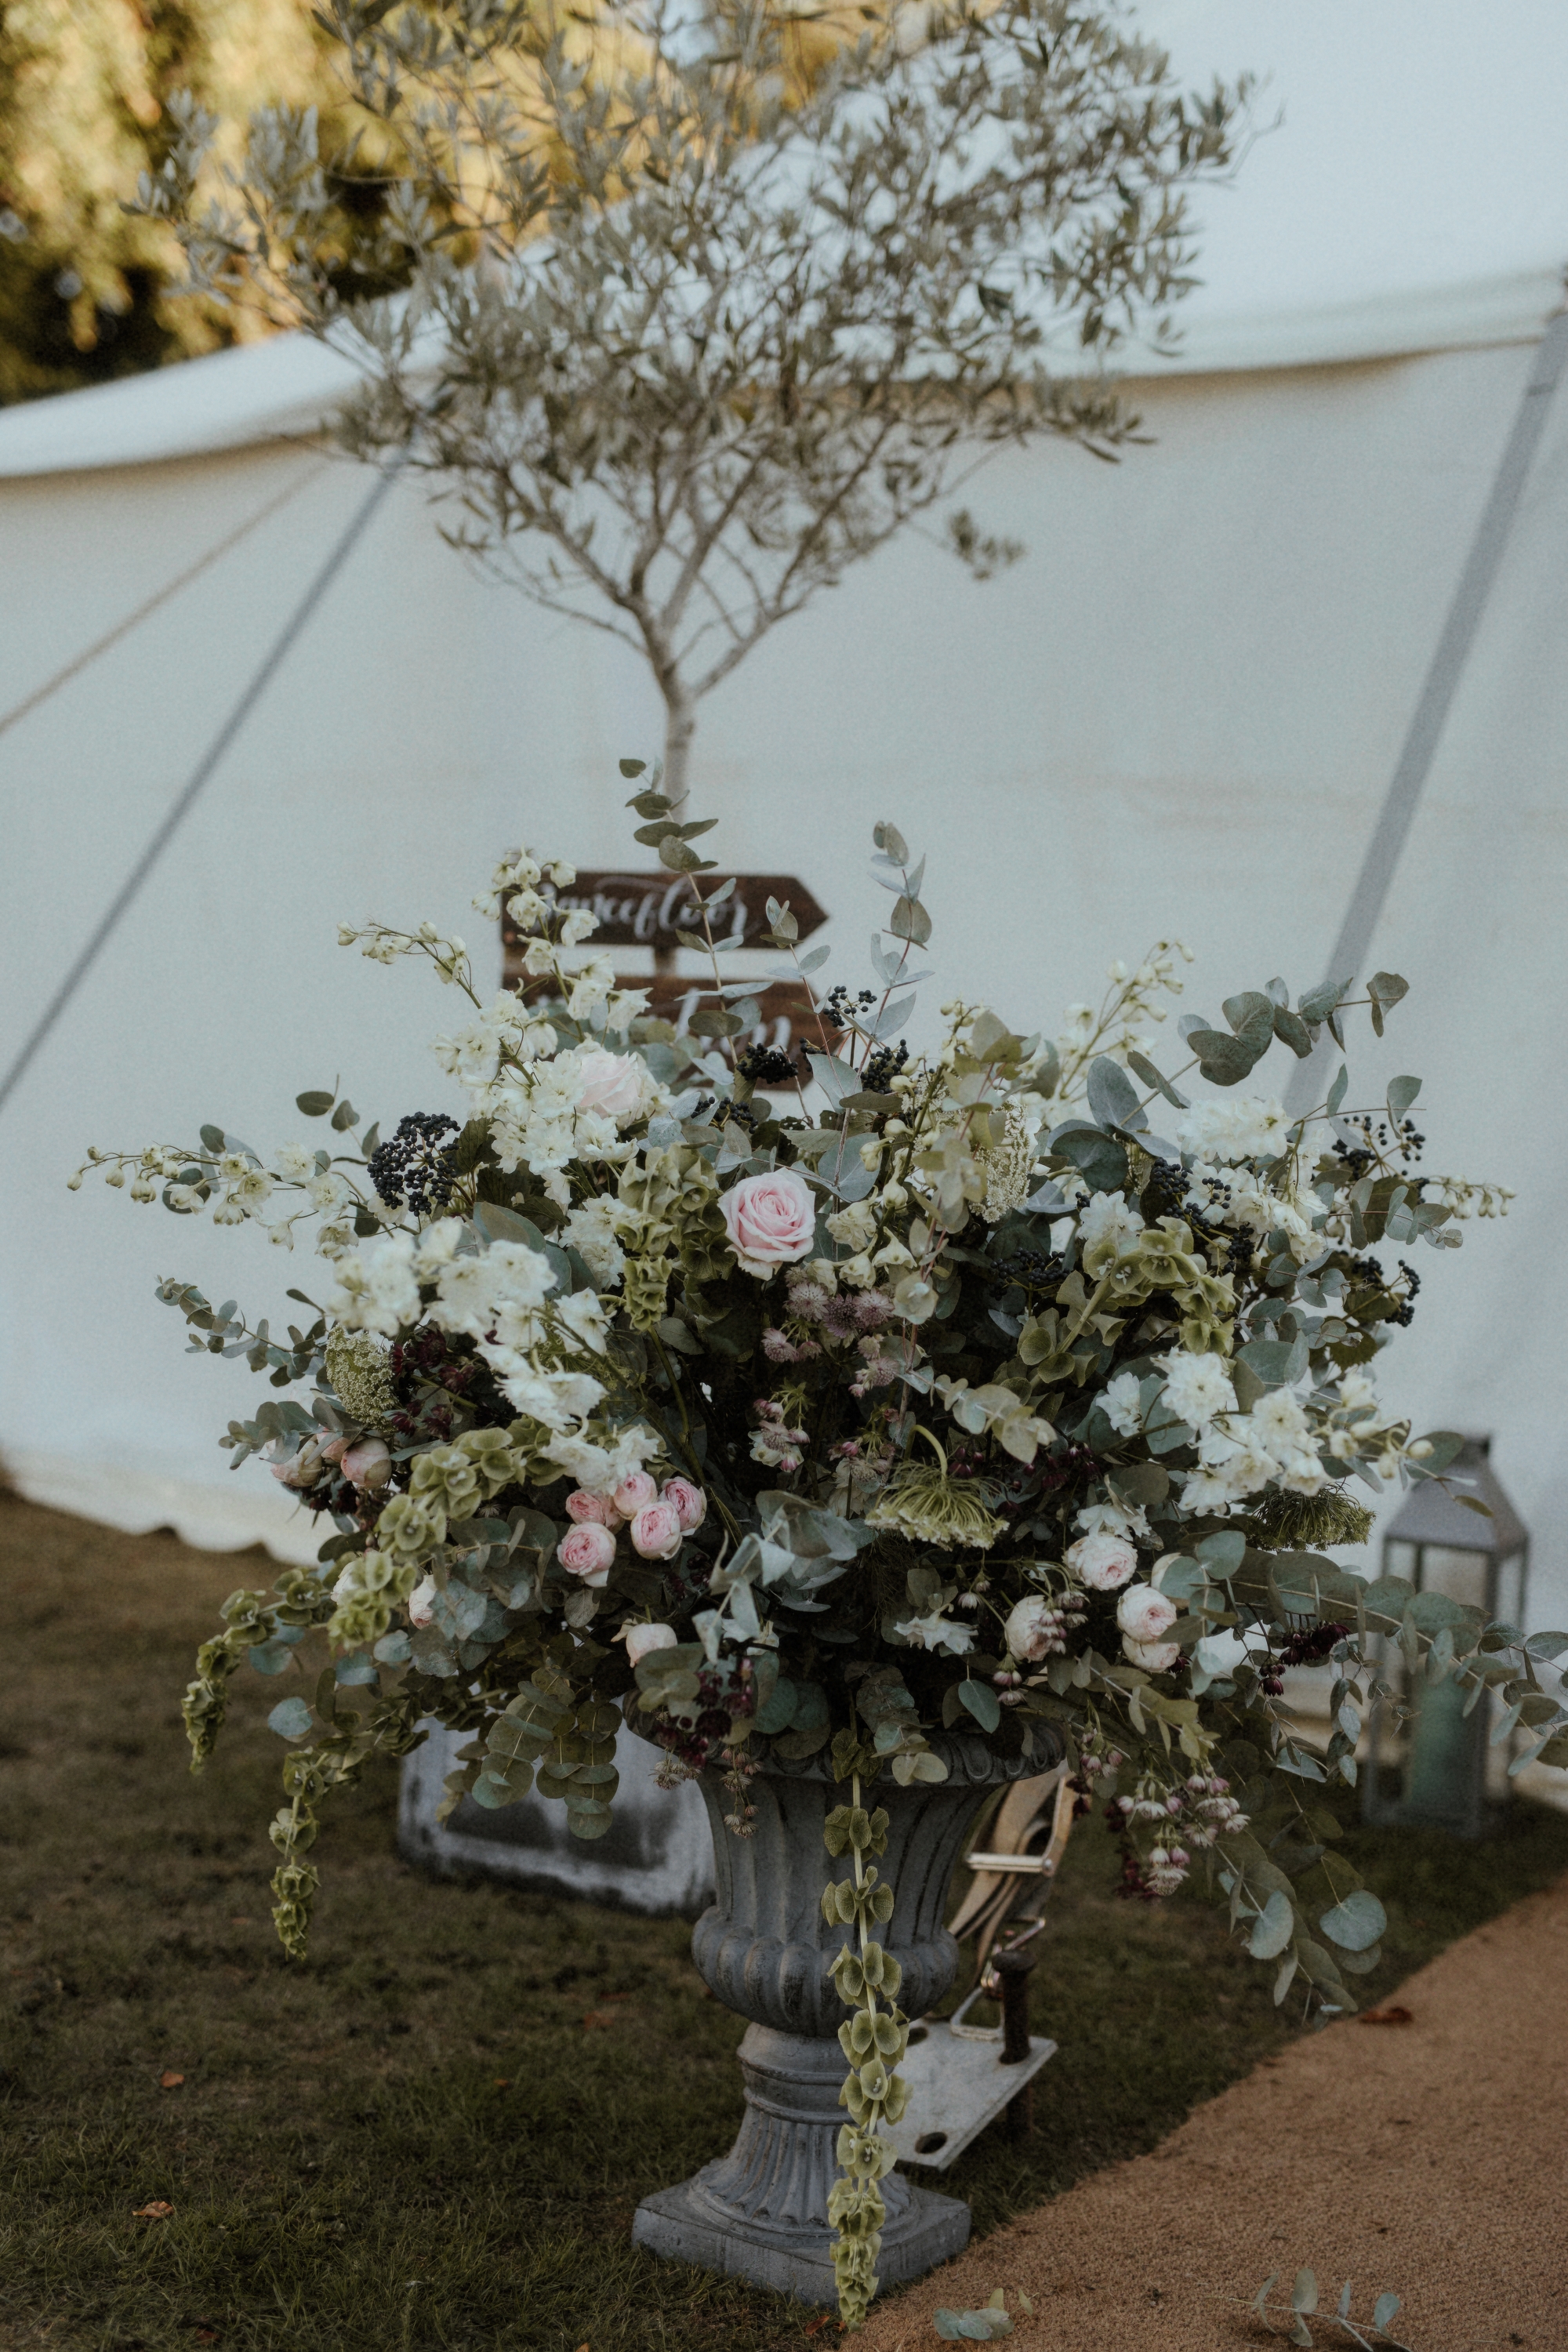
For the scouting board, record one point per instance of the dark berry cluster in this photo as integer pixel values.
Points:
(1073, 1466)
(1311, 1646)
(1401, 1135)
(1166, 1189)
(766, 1066)
(425, 1357)
(882, 1067)
(1404, 1313)
(1032, 1269)
(840, 1008)
(741, 1113)
(413, 1169)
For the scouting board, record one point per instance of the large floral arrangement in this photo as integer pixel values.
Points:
(791, 1405)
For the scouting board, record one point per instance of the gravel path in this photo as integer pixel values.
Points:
(1426, 2158)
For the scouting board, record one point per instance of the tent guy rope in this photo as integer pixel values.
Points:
(144, 611)
(292, 631)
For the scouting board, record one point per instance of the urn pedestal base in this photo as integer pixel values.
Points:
(760, 2213)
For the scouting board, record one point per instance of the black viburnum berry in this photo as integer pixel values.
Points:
(413, 1169)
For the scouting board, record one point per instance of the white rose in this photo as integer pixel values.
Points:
(618, 1085)
(1104, 1563)
(1144, 1614)
(422, 1602)
(642, 1639)
(1154, 1657)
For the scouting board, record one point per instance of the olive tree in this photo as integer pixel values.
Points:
(688, 309)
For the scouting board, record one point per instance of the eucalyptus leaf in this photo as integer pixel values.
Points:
(1144, 1068)
(1356, 1923)
(290, 1719)
(1272, 1928)
(1113, 1097)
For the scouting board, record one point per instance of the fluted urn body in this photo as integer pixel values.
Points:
(766, 1951)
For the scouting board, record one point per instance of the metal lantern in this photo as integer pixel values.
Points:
(1441, 1773)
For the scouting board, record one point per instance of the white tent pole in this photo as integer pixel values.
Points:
(1389, 835)
(293, 629)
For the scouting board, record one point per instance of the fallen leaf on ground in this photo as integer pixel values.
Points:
(600, 2017)
(158, 2210)
(1394, 2014)
(170, 2082)
(503, 2082)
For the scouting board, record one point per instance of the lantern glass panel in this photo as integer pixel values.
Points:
(1510, 1589)
(1462, 1575)
(1399, 1559)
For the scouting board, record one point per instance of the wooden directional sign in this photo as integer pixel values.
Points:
(646, 910)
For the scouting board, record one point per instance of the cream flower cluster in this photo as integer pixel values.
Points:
(1239, 1126)
(503, 1299)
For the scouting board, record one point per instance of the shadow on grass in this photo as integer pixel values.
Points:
(417, 2141)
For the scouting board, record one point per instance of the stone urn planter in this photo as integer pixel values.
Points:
(764, 1950)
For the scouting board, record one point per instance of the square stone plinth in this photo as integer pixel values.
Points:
(682, 2225)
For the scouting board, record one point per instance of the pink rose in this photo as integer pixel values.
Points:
(367, 1463)
(640, 1640)
(633, 1493)
(336, 1449)
(1102, 1562)
(1154, 1657)
(771, 1220)
(592, 1510)
(1144, 1614)
(657, 1531)
(689, 1501)
(587, 1551)
(618, 1085)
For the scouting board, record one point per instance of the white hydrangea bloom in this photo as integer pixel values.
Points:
(561, 1401)
(1239, 1126)
(590, 988)
(471, 1053)
(936, 1632)
(1198, 1388)
(249, 1192)
(329, 1192)
(592, 1231)
(600, 1468)
(437, 1246)
(584, 1316)
(1106, 1219)
(499, 1292)
(376, 1289)
(292, 1163)
(1120, 1406)
(1112, 1518)
(1278, 1421)
(1253, 1208)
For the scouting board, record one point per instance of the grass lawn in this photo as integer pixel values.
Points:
(435, 2134)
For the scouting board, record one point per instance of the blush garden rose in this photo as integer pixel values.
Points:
(771, 1220)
